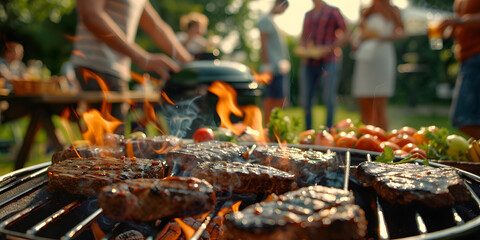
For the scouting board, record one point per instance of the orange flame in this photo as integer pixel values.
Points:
(71, 38)
(236, 206)
(97, 126)
(226, 105)
(187, 229)
(138, 78)
(78, 53)
(265, 78)
(166, 98)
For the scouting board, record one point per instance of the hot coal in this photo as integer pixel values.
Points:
(88, 176)
(314, 212)
(408, 183)
(309, 166)
(244, 177)
(186, 158)
(150, 199)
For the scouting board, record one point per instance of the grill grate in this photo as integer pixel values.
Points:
(28, 212)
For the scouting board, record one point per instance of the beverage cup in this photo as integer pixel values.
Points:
(435, 35)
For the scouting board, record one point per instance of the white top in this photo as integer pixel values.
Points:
(375, 66)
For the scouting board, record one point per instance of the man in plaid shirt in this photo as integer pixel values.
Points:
(324, 32)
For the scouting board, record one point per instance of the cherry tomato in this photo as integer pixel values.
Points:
(324, 138)
(392, 133)
(203, 134)
(372, 130)
(369, 143)
(418, 151)
(392, 145)
(407, 130)
(402, 139)
(346, 141)
(408, 147)
(400, 153)
(344, 125)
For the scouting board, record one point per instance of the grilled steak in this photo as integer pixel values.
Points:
(314, 212)
(87, 176)
(151, 148)
(79, 152)
(407, 183)
(186, 158)
(308, 166)
(150, 199)
(244, 177)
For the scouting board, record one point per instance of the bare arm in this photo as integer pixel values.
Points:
(98, 22)
(163, 35)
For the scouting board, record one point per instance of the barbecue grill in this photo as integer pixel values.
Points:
(27, 211)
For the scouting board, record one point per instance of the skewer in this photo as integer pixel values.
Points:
(347, 171)
(82, 225)
(207, 220)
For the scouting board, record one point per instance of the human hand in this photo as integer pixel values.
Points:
(159, 63)
(448, 23)
(284, 66)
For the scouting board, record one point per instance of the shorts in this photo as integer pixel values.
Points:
(276, 88)
(465, 109)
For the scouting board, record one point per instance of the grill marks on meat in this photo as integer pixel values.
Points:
(308, 166)
(314, 212)
(150, 199)
(244, 177)
(407, 183)
(186, 158)
(87, 176)
(118, 146)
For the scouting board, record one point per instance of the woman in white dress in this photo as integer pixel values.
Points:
(375, 66)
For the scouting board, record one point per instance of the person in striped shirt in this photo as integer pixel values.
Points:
(105, 45)
(324, 33)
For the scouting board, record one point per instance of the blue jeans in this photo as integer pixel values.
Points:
(465, 109)
(324, 76)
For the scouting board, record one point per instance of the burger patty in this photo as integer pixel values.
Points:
(87, 176)
(407, 183)
(149, 199)
(314, 212)
(186, 158)
(308, 166)
(244, 177)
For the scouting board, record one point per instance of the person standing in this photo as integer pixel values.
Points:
(193, 38)
(465, 26)
(275, 59)
(325, 31)
(374, 72)
(105, 45)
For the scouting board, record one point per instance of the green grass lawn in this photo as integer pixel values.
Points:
(399, 116)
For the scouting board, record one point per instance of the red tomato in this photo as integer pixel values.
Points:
(324, 138)
(400, 153)
(372, 130)
(407, 130)
(408, 147)
(203, 135)
(369, 143)
(392, 133)
(420, 137)
(418, 151)
(402, 139)
(344, 125)
(305, 137)
(346, 141)
(392, 145)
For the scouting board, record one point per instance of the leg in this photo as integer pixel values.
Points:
(471, 130)
(311, 77)
(366, 110)
(330, 89)
(380, 111)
